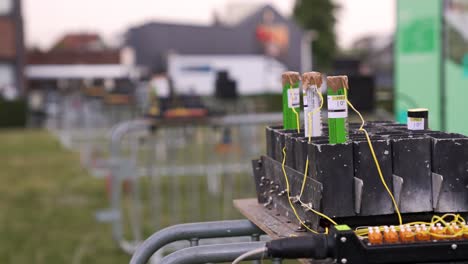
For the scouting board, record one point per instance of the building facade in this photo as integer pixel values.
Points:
(262, 32)
(76, 48)
(11, 48)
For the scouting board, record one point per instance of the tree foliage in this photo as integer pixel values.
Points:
(319, 17)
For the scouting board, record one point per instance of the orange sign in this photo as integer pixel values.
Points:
(274, 37)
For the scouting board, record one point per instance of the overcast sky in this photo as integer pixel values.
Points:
(47, 20)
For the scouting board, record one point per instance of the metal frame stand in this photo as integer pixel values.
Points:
(124, 169)
(196, 231)
(214, 253)
(117, 134)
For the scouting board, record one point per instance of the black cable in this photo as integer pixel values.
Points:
(314, 246)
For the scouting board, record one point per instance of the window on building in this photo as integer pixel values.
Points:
(7, 81)
(6, 6)
(7, 75)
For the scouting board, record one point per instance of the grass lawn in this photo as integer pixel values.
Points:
(47, 204)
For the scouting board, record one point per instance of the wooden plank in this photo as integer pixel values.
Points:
(269, 220)
(272, 223)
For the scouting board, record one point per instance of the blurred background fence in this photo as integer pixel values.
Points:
(165, 172)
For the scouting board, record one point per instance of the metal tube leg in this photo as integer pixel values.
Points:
(213, 253)
(117, 134)
(255, 238)
(154, 183)
(117, 226)
(135, 210)
(276, 261)
(194, 242)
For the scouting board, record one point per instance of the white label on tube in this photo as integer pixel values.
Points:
(415, 123)
(305, 100)
(336, 102)
(341, 114)
(310, 101)
(294, 98)
(312, 125)
(309, 97)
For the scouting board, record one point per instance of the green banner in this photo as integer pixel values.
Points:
(418, 58)
(456, 64)
(431, 62)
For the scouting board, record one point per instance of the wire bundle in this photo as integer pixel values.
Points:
(438, 228)
(298, 198)
(288, 190)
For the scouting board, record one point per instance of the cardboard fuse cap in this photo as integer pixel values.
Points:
(311, 78)
(337, 82)
(290, 77)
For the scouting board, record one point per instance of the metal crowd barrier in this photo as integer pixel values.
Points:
(165, 173)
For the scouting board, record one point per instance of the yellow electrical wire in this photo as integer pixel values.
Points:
(289, 196)
(457, 219)
(305, 177)
(361, 128)
(307, 165)
(309, 116)
(436, 219)
(297, 120)
(299, 199)
(305, 174)
(363, 231)
(320, 214)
